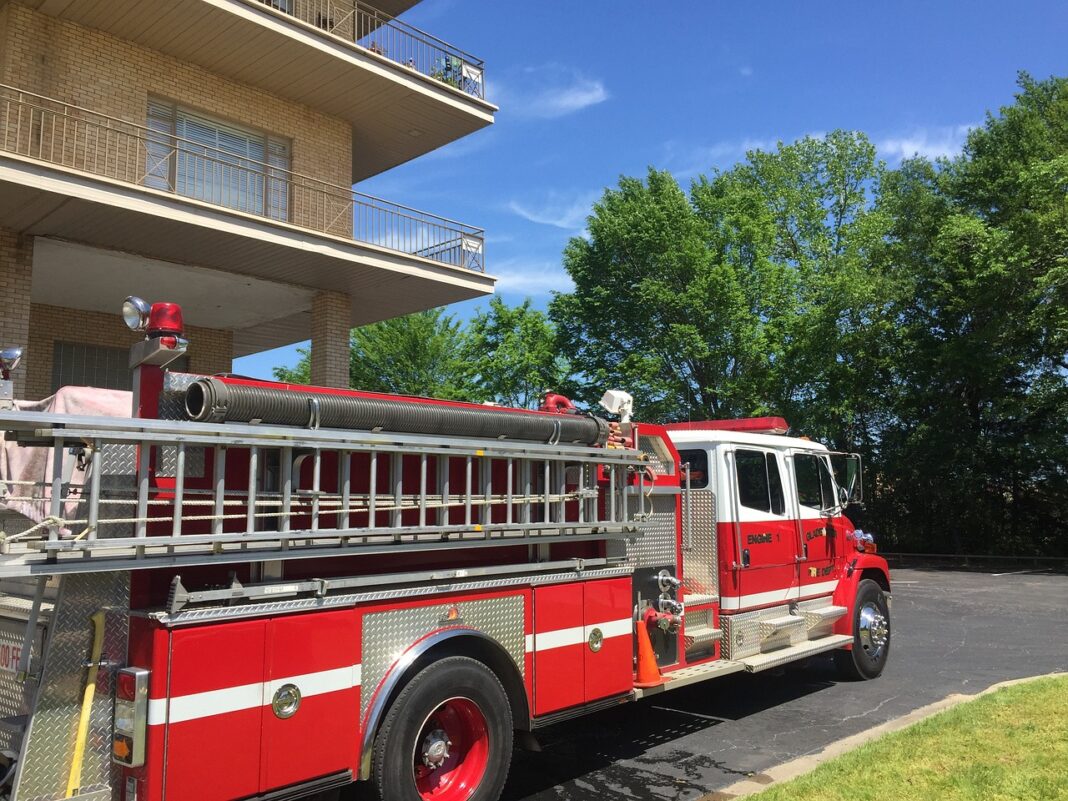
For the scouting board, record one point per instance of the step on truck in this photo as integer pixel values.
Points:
(239, 589)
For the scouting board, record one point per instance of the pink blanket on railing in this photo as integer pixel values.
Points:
(34, 464)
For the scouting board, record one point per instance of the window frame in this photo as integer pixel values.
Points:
(776, 495)
(162, 119)
(825, 480)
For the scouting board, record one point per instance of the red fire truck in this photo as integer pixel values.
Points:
(252, 590)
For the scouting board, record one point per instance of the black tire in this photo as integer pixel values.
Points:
(450, 680)
(871, 635)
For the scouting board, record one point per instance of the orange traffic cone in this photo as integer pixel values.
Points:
(648, 672)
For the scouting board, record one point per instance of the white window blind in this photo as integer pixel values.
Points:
(217, 162)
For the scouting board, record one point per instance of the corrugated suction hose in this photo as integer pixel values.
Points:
(211, 400)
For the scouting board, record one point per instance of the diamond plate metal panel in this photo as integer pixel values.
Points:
(167, 462)
(742, 633)
(16, 697)
(657, 454)
(657, 544)
(700, 560)
(820, 616)
(386, 635)
(44, 766)
(172, 407)
(118, 482)
(172, 398)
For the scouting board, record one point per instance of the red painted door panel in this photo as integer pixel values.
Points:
(316, 653)
(213, 733)
(609, 622)
(558, 648)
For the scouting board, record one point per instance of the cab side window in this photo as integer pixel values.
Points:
(813, 481)
(759, 481)
(698, 461)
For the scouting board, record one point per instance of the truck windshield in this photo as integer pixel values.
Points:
(815, 488)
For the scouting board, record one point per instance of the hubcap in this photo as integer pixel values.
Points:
(874, 630)
(451, 752)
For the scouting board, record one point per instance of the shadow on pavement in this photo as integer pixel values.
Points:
(601, 741)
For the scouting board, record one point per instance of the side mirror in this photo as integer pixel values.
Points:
(849, 475)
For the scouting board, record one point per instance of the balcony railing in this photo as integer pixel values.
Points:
(59, 133)
(378, 32)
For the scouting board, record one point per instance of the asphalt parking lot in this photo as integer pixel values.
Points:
(953, 632)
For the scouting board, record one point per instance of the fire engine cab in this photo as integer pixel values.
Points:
(220, 588)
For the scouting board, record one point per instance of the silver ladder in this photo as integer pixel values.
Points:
(550, 492)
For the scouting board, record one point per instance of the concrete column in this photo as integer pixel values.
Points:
(16, 271)
(330, 324)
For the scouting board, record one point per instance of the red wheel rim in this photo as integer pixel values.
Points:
(451, 752)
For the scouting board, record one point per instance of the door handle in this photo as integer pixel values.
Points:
(745, 557)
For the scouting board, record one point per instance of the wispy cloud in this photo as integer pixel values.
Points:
(547, 91)
(685, 160)
(567, 211)
(534, 279)
(745, 71)
(933, 142)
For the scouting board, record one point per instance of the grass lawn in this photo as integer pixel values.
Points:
(1011, 744)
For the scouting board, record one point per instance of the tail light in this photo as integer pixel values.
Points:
(131, 717)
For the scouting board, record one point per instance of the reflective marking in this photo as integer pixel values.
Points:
(248, 696)
(578, 635)
(777, 596)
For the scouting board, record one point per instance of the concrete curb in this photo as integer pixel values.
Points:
(802, 765)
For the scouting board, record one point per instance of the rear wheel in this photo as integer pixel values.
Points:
(871, 634)
(447, 737)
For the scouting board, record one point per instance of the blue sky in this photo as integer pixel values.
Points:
(592, 90)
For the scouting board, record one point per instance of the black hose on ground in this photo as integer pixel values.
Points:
(210, 400)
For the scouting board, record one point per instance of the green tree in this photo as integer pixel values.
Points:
(512, 354)
(418, 354)
(978, 258)
(747, 296)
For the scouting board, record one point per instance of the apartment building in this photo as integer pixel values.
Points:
(203, 152)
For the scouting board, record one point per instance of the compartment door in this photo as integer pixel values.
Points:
(608, 636)
(311, 697)
(213, 728)
(559, 647)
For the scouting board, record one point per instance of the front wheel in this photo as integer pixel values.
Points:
(447, 737)
(871, 634)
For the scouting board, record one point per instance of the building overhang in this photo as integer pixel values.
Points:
(397, 113)
(46, 201)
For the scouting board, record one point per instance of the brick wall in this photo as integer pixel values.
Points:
(331, 315)
(16, 267)
(210, 350)
(111, 76)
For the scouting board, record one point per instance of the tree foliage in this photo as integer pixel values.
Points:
(505, 354)
(513, 356)
(919, 315)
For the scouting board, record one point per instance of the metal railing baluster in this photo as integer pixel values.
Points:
(141, 526)
(345, 521)
(179, 489)
(253, 481)
(219, 501)
(285, 482)
(97, 467)
(372, 492)
(56, 506)
(317, 471)
(467, 493)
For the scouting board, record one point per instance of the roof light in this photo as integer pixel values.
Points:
(165, 319)
(135, 313)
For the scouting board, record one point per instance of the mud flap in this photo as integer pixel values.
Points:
(47, 749)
